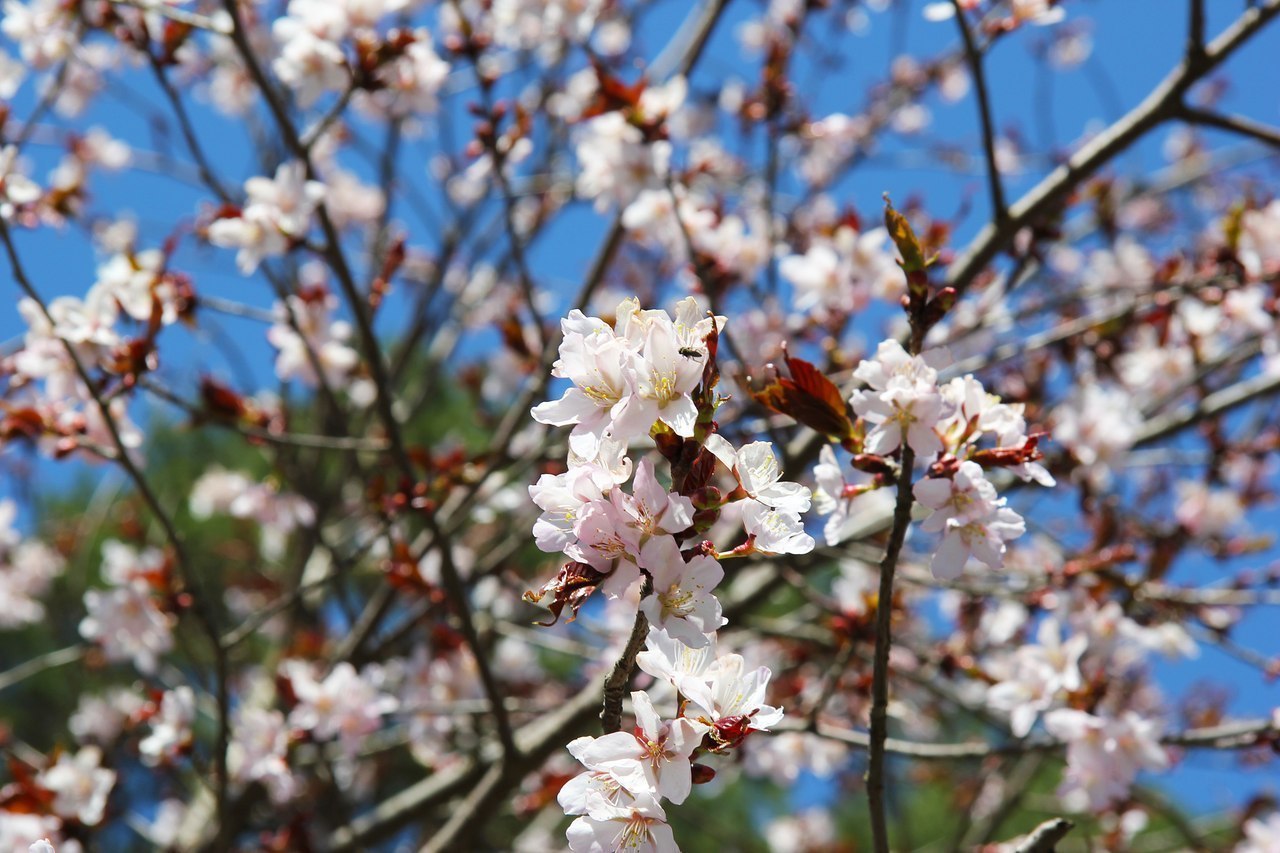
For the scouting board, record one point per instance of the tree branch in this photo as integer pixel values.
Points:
(999, 210)
(1238, 125)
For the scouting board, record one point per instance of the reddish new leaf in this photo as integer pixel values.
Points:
(810, 398)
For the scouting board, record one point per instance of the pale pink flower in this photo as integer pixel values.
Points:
(347, 705)
(972, 518)
(759, 472)
(661, 750)
(641, 827)
(258, 752)
(170, 727)
(80, 785)
(903, 399)
(276, 212)
(1261, 836)
(775, 531)
(681, 603)
(128, 625)
(1104, 755)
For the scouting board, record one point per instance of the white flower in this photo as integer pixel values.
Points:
(847, 503)
(640, 827)
(591, 357)
(660, 750)
(321, 334)
(170, 727)
(661, 378)
(134, 281)
(1261, 836)
(616, 162)
(687, 668)
(258, 752)
(276, 212)
(974, 521)
(775, 531)
(904, 398)
(1104, 755)
(735, 705)
(562, 497)
(15, 187)
(346, 704)
(80, 785)
(681, 603)
(651, 510)
(1032, 680)
(410, 81)
(760, 474)
(128, 625)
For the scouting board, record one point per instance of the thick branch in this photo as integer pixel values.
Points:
(616, 684)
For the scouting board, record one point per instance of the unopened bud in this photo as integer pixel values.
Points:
(702, 774)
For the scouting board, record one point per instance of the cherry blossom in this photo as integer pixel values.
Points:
(661, 750)
(277, 212)
(80, 785)
(972, 519)
(128, 624)
(1104, 754)
(759, 474)
(681, 603)
(258, 752)
(775, 531)
(904, 398)
(170, 727)
(639, 826)
(346, 704)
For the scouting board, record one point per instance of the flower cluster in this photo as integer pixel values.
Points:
(128, 618)
(651, 377)
(276, 214)
(960, 430)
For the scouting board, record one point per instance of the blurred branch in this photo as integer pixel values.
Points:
(40, 663)
(1045, 837)
(1238, 125)
(973, 56)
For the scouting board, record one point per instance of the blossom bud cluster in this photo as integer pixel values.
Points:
(648, 375)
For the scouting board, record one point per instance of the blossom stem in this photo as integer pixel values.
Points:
(616, 685)
(880, 662)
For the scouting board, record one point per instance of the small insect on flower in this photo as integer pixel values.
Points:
(690, 352)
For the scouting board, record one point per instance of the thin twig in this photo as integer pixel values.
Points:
(999, 210)
(880, 661)
(1238, 125)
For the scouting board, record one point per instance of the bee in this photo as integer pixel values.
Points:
(690, 352)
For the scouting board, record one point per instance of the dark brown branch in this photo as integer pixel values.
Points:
(616, 684)
(1238, 125)
(1195, 30)
(973, 56)
(880, 662)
